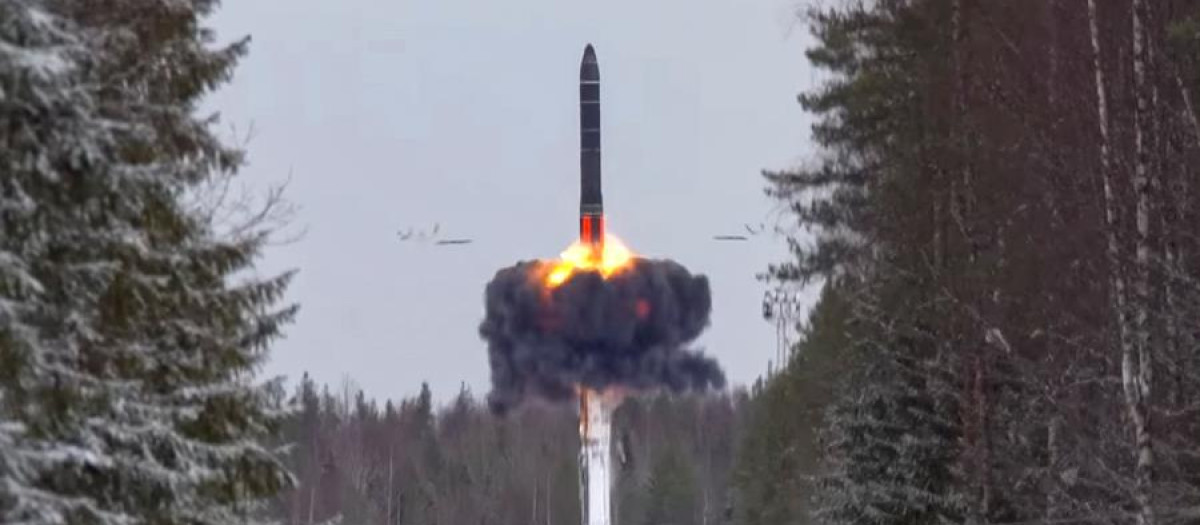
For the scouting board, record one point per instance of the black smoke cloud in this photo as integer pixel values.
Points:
(628, 330)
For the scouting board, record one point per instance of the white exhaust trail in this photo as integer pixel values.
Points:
(595, 454)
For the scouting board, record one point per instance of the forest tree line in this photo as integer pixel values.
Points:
(1005, 214)
(359, 461)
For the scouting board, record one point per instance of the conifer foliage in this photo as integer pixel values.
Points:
(1006, 200)
(130, 330)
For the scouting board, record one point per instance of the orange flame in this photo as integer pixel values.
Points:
(580, 256)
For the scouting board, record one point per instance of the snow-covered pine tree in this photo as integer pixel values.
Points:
(47, 122)
(891, 441)
(129, 329)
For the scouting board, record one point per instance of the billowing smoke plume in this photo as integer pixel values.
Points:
(628, 330)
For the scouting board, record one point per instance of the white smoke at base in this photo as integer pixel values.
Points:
(595, 454)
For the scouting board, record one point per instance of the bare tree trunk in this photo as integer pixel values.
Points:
(1137, 370)
(1054, 453)
(960, 108)
(1169, 188)
(967, 210)
(1171, 336)
(1126, 333)
(312, 497)
(984, 444)
(1110, 207)
(296, 513)
(1188, 107)
(1053, 81)
(937, 233)
(391, 474)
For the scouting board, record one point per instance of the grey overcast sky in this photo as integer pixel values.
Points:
(392, 114)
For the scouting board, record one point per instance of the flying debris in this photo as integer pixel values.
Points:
(430, 236)
(751, 231)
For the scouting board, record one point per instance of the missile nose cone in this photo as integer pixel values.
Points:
(589, 70)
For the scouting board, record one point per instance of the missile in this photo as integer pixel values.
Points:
(591, 202)
(594, 427)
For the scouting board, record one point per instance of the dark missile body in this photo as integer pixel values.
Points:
(591, 202)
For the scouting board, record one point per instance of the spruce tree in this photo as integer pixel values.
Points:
(671, 493)
(779, 457)
(890, 449)
(130, 329)
(888, 454)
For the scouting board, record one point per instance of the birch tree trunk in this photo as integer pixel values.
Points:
(1189, 109)
(1054, 453)
(391, 475)
(980, 447)
(548, 491)
(1131, 338)
(1111, 222)
(1136, 370)
(312, 499)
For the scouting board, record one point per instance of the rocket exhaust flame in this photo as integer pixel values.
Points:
(608, 257)
(595, 323)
